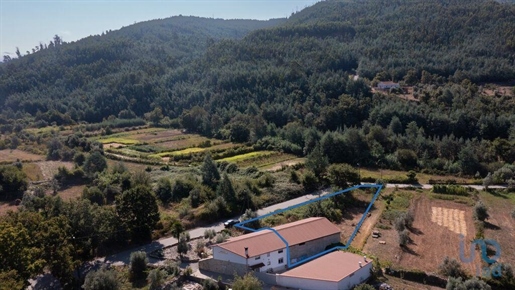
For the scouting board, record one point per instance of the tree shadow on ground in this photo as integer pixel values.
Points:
(491, 226)
(416, 231)
(406, 249)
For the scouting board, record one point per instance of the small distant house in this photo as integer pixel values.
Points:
(388, 85)
(264, 251)
(334, 271)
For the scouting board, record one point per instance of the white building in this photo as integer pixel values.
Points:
(266, 252)
(388, 85)
(334, 271)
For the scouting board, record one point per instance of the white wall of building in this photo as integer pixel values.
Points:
(224, 255)
(356, 278)
(270, 260)
(347, 283)
(305, 284)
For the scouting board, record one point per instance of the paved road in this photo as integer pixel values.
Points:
(124, 257)
(429, 186)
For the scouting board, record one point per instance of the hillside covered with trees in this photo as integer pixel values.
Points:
(287, 86)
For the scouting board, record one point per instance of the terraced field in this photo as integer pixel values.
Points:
(163, 146)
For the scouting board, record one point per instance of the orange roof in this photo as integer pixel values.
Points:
(266, 241)
(333, 267)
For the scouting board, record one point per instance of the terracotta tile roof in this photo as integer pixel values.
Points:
(333, 267)
(266, 241)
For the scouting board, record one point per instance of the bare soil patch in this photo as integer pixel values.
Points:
(8, 155)
(171, 253)
(155, 136)
(5, 207)
(49, 168)
(500, 225)
(279, 166)
(434, 236)
(71, 193)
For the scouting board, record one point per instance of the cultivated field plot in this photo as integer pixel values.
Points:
(500, 225)
(159, 146)
(268, 160)
(11, 155)
(436, 234)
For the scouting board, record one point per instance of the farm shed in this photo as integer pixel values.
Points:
(335, 271)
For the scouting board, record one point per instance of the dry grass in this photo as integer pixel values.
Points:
(423, 178)
(71, 193)
(8, 156)
(33, 171)
(49, 168)
(430, 243)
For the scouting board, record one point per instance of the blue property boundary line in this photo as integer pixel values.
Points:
(347, 245)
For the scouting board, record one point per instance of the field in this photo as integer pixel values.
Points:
(421, 177)
(10, 156)
(435, 234)
(158, 146)
(501, 226)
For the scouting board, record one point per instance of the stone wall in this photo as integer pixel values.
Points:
(222, 267)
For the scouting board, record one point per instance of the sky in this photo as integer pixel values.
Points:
(26, 23)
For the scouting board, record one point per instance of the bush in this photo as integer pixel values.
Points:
(480, 211)
(403, 238)
(450, 189)
(451, 268)
(247, 282)
(101, 279)
(364, 287)
(155, 279)
(209, 284)
(209, 234)
(138, 266)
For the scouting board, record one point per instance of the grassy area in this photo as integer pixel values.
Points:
(121, 140)
(33, 171)
(246, 156)
(423, 178)
(179, 152)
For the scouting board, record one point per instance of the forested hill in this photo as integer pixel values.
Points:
(287, 85)
(113, 68)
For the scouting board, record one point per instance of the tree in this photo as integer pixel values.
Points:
(182, 245)
(480, 211)
(250, 214)
(155, 279)
(247, 282)
(403, 238)
(177, 229)
(488, 180)
(455, 284)
(342, 175)
(475, 284)
(451, 268)
(54, 149)
(138, 266)
(226, 190)
(102, 279)
(95, 163)
(164, 190)
(210, 174)
(513, 213)
(20, 255)
(137, 208)
(317, 161)
(13, 182)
